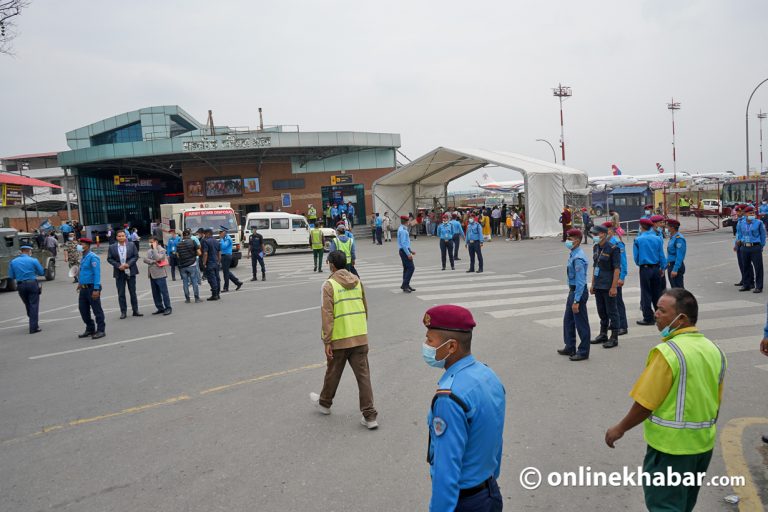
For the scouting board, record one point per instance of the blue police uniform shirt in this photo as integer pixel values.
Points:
(334, 212)
(676, 248)
(378, 222)
(456, 226)
(90, 271)
(606, 259)
(739, 226)
(763, 209)
(25, 268)
(578, 266)
(465, 447)
(66, 228)
(474, 232)
(753, 233)
(172, 244)
(445, 231)
(404, 239)
(623, 248)
(648, 249)
(211, 246)
(225, 245)
(342, 208)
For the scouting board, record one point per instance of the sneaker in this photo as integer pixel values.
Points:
(315, 398)
(370, 425)
(197, 300)
(187, 301)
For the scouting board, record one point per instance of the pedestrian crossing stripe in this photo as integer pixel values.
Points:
(486, 293)
(467, 286)
(457, 279)
(523, 300)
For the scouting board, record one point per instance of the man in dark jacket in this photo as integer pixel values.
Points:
(123, 256)
(187, 253)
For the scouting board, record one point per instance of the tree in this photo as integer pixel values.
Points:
(9, 9)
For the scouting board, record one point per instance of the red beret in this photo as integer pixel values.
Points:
(648, 207)
(574, 232)
(657, 218)
(449, 318)
(85, 241)
(674, 223)
(608, 225)
(646, 222)
(583, 209)
(749, 209)
(404, 217)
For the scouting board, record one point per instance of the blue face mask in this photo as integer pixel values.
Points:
(666, 231)
(79, 248)
(569, 244)
(647, 212)
(750, 217)
(667, 331)
(596, 239)
(429, 355)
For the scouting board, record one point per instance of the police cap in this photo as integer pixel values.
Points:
(598, 229)
(657, 218)
(648, 223)
(749, 209)
(608, 225)
(674, 223)
(449, 317)
(576, 233)
(223, 228)
(85, 241)
(404, 217)
(26, 247)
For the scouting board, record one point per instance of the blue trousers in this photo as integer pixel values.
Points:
(226, 261)
(623, 324)
(651, 286)
(475, 249)
(607, 311)
(446, 246)
(487, 500)
(190, 274)
(456, 244)
(408, 269)
(255, 261)
(573, 323)
(29, 291)
(86, 303)
(379, 232)
(753, 266)
(676, 282)
(212, 275)
(160, 293)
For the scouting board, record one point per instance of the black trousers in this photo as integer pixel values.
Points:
(121, 281)
(86, 303)
(623, 324)
(408, 269)
(475, 250)
(257, 260)
(378, 233)
(676, 282)
(446, 246)
(607, 311)
(740, 261)
(29, 291)
(456, 244)
(226, 261)
(753, 266)
(212, 274)
(651, 286)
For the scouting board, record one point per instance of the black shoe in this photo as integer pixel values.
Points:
(456, 259)
(86, 334)
(452, 268)
(738, 284)
(36, 330)
(136, 313)
(239, 285)
(757, 290)
(123, 315)
(442, 268)
(158, 312)
(469, 271)
(98, 335)
(765, 438)
(224, 291)
(254, 279)
(187, 301)
(611, 343)
(480, 271)
(745, 288)
(407, 290)
(565, 352)
(263, 277)
(602, 338)
(412, 289)
(167, 312)
(645, 322)
(622, 332)
(578, 357)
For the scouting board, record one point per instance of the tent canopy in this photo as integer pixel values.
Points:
(15, 179)
(428, 176)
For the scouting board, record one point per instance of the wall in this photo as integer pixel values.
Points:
(55, 218)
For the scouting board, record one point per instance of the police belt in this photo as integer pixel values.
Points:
(649, 265)
(749, 244)
(466, 493)
(572, 288)
(27, 281)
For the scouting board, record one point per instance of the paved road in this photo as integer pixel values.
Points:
(208, 409)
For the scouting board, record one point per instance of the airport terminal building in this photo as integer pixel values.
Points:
(128, 165)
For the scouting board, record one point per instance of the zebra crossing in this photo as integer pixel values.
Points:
(514, 296)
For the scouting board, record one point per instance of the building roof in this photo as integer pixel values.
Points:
(15, 179)
(30, 156)
(628, 190)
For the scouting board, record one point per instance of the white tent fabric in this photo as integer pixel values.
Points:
(428, 176)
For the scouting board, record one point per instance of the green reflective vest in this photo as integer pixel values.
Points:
(316, 238)
(348, 312)
(346, 248)
(312, 213)
(684, 423)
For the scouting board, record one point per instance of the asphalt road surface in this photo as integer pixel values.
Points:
(208, 409)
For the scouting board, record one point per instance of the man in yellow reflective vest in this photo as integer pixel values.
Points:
(344, 314)
(316, 242)
(311, 214)
(345, 243)
(677, 398)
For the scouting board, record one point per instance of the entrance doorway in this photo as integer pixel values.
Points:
(354, 193)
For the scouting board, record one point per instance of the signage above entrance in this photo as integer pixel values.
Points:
(341, 179)
(126, 180)
(226, 142)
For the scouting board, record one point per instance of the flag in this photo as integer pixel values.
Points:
(45, 225)
(659, 168)
(616, 171)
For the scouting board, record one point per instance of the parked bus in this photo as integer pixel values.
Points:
(742, 191)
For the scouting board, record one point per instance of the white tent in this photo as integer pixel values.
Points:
(428, 176)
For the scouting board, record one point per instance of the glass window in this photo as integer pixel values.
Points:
(279, 223)
(298, 223)
(287, 184)
(179, 126)
(55, 191)
(127, 133)
(259, 224)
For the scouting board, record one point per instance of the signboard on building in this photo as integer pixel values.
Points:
(137, 184)
(285, 199)
(125, 180)
(341, 179)
(223, 187)
(251, 185)
(215, 143)
(11, 195)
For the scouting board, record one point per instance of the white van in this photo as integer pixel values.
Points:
(284, 230)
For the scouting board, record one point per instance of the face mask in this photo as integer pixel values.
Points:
(667, 331)
(647, 212)
(471, 221)
(750, 217)
(428, 354)
(569, 244)
(666, 231)
(596, 239)
(79, 248)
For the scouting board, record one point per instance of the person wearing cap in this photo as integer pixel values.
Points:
(474, 240)
(89, 288)
(123, 255)
(750, 238)
(586, 223)
(212, 263)
(445, 234)
(346, 244)
(226, 245)
(466, 418)
(658, 225)
(676, 248)
(344, 314)
(566, 219)
(616, 240)
(605, 281)
(406, 254)
(647, 211)
(24, 269)
(648, 254)
(378, 222)
(458, 234)
(576, 318)
(198, 238)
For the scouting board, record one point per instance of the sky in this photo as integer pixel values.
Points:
(457, 74)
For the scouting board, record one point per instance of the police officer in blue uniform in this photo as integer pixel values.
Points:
(739, 209)
(658, 225)
(475, 241)
(25, 269)
(89, 287)
(616, 240)
(648, 253)
(445, 234)
(406, 254)
(226, 245)
(576, 318)
(647, 211)
(458, 234)
(606, 268)
(751, 238)
(676, 248)
(466, 419)
(212, 263)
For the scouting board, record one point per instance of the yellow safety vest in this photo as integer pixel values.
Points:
(684, 423)
(316, 237)
(346, 248)
(312, 213)
(349, 317)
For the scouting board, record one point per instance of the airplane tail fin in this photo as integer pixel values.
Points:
(616, 171)
(659, 168)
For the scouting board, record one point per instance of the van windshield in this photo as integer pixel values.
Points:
(210, 219)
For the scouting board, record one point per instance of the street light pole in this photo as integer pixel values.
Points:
(561, 92)
(746, 119)
(672, 107)
(554, 155)
(761, 116)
